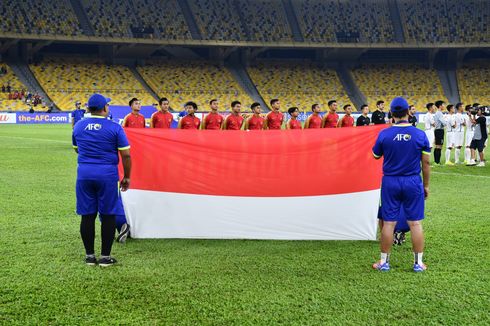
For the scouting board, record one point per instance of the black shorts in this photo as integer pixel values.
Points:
(478, 144)
(439, 136)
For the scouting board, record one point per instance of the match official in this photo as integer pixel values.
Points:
(403, 147)
(98, 142)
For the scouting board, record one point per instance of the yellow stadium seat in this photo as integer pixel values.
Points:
(67, 81)
(299, 85)
(197, 81)
(384, 82)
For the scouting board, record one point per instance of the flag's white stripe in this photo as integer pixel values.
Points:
(153, 214)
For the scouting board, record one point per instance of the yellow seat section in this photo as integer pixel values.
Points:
(69, 80)
(218, 20)
(474, 83)
(198, 81)
(435, 21)
(39, 17)
(360, 20)
(10, 79)
(384, 82)
(265, 20)
(299, 85)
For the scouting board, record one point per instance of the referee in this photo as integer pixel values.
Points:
(98, 142)
(440, 122)
(403, 147)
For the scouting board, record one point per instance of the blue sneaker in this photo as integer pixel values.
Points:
(419, 267)
(382, 267)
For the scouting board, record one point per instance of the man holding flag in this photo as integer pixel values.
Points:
(403, 147)
(98, 142)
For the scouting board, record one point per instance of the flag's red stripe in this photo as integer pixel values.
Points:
(256, 163)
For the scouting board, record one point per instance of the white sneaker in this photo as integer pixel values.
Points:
(481, 164)
(471, 163)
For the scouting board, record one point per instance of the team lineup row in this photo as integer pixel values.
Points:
(256, 120)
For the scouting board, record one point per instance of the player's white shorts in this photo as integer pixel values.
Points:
(459, 138)
(430, 136)
(468, 138)
(451, 139)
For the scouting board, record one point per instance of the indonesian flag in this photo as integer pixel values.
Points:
(315, 184)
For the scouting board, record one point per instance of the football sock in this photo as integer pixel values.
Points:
(467, 154)
(385, 258)
(437, 155)
(457, 152)
(87, 231)
(417, 257)
(448, 154)
(108, 231)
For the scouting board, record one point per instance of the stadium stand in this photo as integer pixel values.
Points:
(474, 83)
(436, 21)
(197, 81)
(345, 21)
(218, 20)
(10, 84)
(137, 18)
(384, 82)
(39, 17)
(69, 80)
(297, 84)
(266, 20)
(109, 18)
(168, 20)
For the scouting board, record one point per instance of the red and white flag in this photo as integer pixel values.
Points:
(316, 184)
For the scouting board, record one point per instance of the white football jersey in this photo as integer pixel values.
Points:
(450, 121)
(429, 121)
(459, 119)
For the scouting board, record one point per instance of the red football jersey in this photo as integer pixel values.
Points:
(213, 121)
(190, 122)
(315, 122)
(331, 120)
(347, 121)
(234, 122)
(294, 124)
(134, 121)
(256, 123)
(163, 120)
(274, 120)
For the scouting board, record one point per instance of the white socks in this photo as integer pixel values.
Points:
(448, 155)
(457, 152)
(385, 258)
(417, 257)
(467, 154)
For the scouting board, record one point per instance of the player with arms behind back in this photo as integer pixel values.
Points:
(98, 142)
(275, 118)
(403, 147)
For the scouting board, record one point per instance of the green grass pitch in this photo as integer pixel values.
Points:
(218, 282)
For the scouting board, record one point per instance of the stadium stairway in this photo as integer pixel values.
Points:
(397, 21)
(142, 81)
(190, 20)
(241, 76)
(293, 20)
(354, 93)
(449, 83)
(82, 17)
(26, 76)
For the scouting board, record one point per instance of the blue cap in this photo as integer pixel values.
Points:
(398, 104)
(98, 101)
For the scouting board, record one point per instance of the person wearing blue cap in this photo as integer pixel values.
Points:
(77, 114)
(98, 142)
(403, 192)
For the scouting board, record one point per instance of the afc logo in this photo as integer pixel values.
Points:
(93, 126)
(402, 137)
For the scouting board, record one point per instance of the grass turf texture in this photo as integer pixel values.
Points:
(43, 279)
